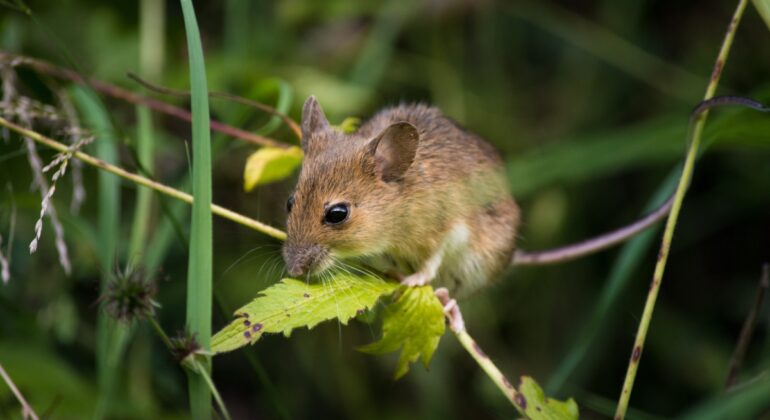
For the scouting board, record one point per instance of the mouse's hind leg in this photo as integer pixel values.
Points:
(491, 245)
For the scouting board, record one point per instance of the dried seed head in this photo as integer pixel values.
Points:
(130, 295)
(184, 346)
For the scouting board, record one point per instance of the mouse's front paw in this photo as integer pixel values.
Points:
(416, 280)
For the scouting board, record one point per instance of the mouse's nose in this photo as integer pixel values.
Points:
(301, 259)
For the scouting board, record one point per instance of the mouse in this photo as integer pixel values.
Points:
(410, 193)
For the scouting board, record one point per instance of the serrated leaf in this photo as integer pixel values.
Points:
(348, 125)
(539, 407)
(291, 304)
(270, 164)
(413, 323)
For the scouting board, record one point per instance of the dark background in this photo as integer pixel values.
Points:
(588, 101)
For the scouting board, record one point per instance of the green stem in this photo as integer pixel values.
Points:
(218, 398)
(162, 334)
(681, 190)
(143, 181)
(503, 384)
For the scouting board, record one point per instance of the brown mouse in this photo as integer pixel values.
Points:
(409, 192)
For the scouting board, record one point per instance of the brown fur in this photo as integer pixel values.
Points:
(453, 178)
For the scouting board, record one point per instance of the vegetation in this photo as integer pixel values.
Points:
(119, 115)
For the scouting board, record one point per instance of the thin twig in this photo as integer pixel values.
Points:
(26, 410)
(295, 128)
(457, 326)
(681, 190)
(138, 179)
(748, 328)
(131, 97)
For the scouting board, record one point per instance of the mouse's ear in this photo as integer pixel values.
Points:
(313, 119)
(394, 150)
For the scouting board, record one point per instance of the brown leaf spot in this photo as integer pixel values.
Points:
(359, 311)
(506, 382)
(636, 354)
(307, 295)
(520, 400)
(247, 323)
(256, 327)
(247, 335)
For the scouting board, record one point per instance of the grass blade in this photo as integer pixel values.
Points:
(199, 274)
(111, 336)
(152, 18)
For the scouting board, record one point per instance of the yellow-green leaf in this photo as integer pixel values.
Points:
(349, 125)
(763, 7)
(413, 323)
(291, 304)
(539, 407)
(270, 164)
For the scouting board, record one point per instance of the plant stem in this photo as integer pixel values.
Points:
(146, 182)
(133, 98)
(502, 383)
(293, 126)
(457, 326)
(681, 190)
(162, 334)
(26, 410)
(201, 370)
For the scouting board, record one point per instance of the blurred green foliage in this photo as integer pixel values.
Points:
(589, 103)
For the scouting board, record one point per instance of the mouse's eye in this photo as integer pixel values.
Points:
(336, 213)
(289, 203)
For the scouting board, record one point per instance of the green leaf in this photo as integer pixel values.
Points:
(349, 125)
(763, 7)
(270, 164)
(539, 407)
(291, 304)
(413, 323)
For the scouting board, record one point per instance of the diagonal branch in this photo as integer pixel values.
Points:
(681, 190)
(457, 326)
(295, 128)
(131, 97)
(26, 410)
(146, 182)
